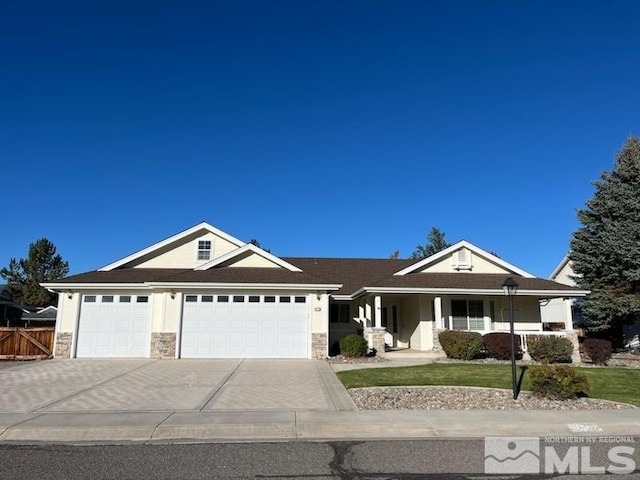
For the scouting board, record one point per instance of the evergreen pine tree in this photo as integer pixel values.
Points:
(25, 275)
(605, 250)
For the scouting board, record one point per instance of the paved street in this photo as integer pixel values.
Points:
(402, 460)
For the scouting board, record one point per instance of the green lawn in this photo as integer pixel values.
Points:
(617, 384)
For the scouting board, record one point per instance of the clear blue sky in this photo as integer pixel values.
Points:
(327, 128)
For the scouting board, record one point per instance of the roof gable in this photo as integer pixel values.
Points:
(251, 256)
(463, 257)
(179, 250)
(564, 273)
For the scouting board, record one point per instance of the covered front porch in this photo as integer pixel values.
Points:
(410, 322)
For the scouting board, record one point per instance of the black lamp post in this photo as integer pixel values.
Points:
(510, 288)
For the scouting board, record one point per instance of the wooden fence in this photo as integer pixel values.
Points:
(26, 343)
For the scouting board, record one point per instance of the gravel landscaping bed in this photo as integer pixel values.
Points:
(466, 398)
(340, 359)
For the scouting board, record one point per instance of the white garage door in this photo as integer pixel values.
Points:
(114, 326)
(245, 326)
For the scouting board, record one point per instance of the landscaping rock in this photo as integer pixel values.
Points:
(466, 398)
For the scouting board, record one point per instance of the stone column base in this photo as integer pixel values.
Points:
(376, 339)
(163, 345)
(575, 356)
(63, 345)
(436, 341)
(319, 346)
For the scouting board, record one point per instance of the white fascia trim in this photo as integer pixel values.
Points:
(474, 249)
(167, 241)
(245, 248)
(464, 291)
(244, 286)
(61, 287)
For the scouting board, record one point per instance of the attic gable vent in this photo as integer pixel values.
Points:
(461, 259)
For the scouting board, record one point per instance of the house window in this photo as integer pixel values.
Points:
(207, 298)
(254, 298)
(285, 299)
(467, 314)
(238, 299)
(269, 299)
(125, 298)
(301, 299)
(142, 299)
(223, 298)
(339, 313)
(90, 299)
(191, 298)
(107, 299)
(204, 249)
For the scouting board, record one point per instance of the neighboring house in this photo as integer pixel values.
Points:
(552, 310)
(205, 294)
(43, 317)
(10, 311)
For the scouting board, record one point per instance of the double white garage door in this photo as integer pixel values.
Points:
(245, 326)
(213, 326)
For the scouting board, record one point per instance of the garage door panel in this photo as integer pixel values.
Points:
(245, 328)
(113, 329)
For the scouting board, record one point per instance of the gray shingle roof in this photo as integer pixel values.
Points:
(352, 273)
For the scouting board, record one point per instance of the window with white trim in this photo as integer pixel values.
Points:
(467, 315)
(204, 249)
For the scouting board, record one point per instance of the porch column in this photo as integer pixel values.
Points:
(568, 315)
(367, 313)
(377, 311)
(437, 312)
(378, 332)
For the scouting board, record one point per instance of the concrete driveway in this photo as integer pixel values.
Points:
(128, 385)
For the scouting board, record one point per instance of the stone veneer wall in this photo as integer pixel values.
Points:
(575, 356)
(377, 340)
(163, 345)
(63, 345)
(319, 345)
(437, 348)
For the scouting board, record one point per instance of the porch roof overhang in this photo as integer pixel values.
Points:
(538, 293)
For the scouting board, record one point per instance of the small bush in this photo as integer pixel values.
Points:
(550, 348)
(598, 349)
(498, 345)
(558, 382)
(353, 346)
(460, 345)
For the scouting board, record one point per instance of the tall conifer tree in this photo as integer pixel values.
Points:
(605, 250)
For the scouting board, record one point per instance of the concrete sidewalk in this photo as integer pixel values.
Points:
(291, 425)
(150, 401)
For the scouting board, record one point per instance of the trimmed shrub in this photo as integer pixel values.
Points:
(498, 345)
(598, 349)
(552, 349)
(558, 382)
(353, 346)
(460, 345)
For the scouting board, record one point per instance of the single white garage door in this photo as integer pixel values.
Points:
(245, 326)
(114, 326)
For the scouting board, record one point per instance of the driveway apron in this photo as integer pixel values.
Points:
(131, 385)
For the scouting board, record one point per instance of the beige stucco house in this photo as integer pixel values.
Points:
(204, 294)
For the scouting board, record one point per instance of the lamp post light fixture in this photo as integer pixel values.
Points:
(510, 288)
